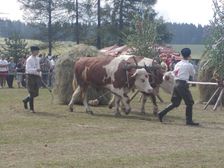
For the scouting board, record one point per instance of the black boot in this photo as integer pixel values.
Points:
(189, 120)
(25, 101)
(164, 112)
(32, 105)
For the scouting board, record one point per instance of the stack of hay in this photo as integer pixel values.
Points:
(206, 74)
(64, 74)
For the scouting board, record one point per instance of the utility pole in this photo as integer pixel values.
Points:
(77, 21)
(98, 25)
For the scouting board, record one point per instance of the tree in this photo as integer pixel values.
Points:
(211, 64)
(142, 37)
(124, 11)
(98, 24)
(15, 47)
(44, 11)
(145, 33)
(215, 43)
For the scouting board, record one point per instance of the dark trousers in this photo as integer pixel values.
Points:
(33, 89)
(10, 80)
(181, 91)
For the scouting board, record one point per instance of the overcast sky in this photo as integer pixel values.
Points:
(181, 11)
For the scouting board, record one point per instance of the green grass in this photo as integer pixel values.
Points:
(56, 138)
(197, 50)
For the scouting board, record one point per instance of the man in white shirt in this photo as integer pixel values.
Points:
(183, 70)
(32, 77)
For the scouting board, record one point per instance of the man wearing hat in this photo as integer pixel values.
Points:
(183, 70)
(32, 77)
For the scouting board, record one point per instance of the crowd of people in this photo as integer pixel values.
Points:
(11, 71)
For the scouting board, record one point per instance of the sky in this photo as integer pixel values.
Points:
(180, 11)
(186, 11)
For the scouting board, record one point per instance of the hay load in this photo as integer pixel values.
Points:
(206, 74)
(64, 74)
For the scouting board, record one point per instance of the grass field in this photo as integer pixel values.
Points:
(56, 138)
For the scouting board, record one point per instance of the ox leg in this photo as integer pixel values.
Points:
(112, 102)
(126, 102)
(156, 92)
(117, 100)
(86, 105)
(155, 106)
(144, 99)
(74, 95)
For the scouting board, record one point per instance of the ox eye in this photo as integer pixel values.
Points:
(143, 80)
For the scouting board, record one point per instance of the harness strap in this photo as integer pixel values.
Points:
(126, 71)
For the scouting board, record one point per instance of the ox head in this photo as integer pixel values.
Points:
(155, 74)
(168, 82)
(142, 81)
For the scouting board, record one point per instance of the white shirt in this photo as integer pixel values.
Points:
(3, 65)
(183, 70)
(32, 65)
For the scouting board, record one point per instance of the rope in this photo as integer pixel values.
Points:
(49, 89)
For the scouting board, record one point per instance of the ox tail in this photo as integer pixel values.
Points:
(74, 83)
(79, 96)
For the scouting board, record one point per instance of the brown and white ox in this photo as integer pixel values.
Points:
(158, 78)
(114, 73)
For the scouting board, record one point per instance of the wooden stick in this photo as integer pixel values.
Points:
(140, 98)
(133, 95)
(160, 99)
(221, 104)
(211, 98)
(202, 83)
(219, 99)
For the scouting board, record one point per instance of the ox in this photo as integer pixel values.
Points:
(157, 79)
(114, 73)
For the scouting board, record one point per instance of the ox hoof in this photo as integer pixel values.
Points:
(127, 111)
(117, 114)
(89, 112)
(110, 106)
(142, 113)
(71, 109)
(155, 113)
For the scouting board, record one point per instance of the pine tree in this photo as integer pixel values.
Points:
(15, 47)
(44, 11)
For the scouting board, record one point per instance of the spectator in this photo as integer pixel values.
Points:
(20, 69)
(45, 70)
(3, 71)
(11, 72)
(51, 76)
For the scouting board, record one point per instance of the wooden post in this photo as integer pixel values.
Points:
(211, 98)
(219, 99)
